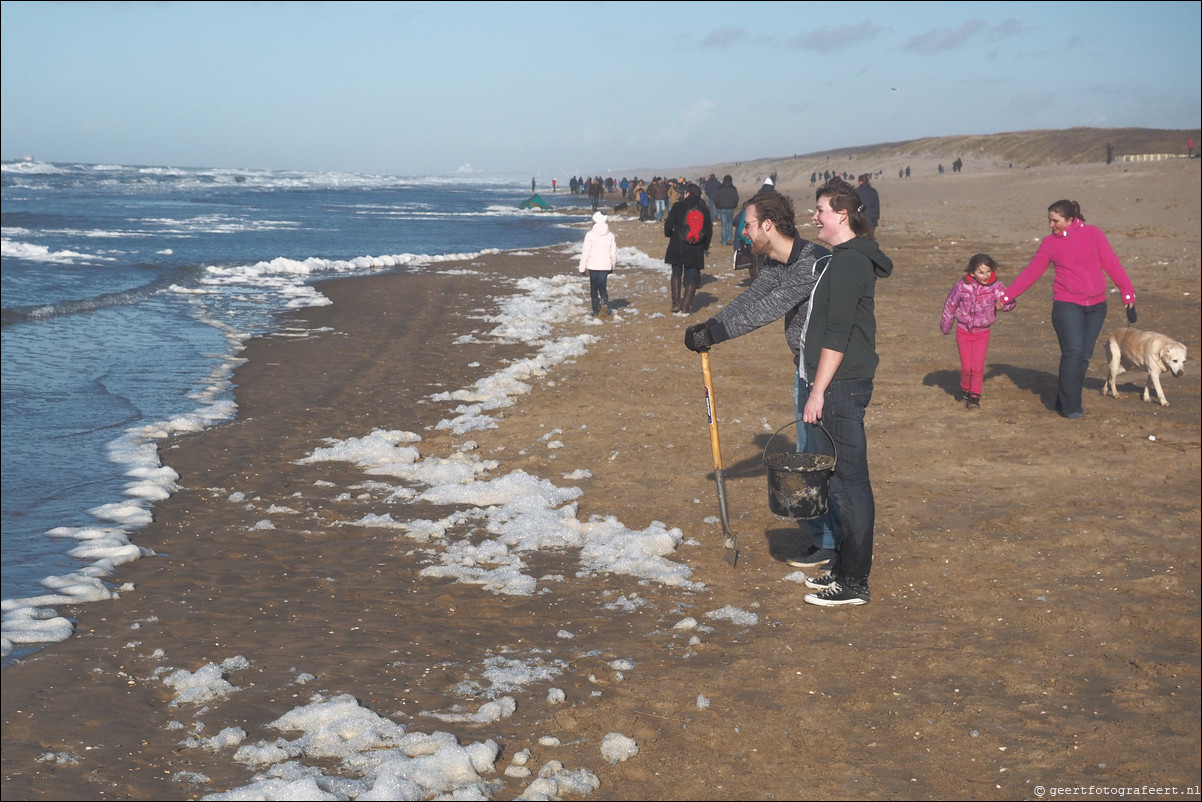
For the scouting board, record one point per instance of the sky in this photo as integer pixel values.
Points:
(571, 88)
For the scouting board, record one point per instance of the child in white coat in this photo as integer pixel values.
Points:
(598, 258)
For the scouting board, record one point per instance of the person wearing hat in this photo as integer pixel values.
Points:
(598, 257)
(689, 237)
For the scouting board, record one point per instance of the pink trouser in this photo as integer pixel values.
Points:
(972, 346)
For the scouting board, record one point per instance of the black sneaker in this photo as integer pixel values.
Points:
(813, 557)
(820, 582)
(837, 594)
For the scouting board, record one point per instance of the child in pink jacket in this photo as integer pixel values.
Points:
(972, 307)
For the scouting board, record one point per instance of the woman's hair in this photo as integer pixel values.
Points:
(843, 198)
(775, 207)
(1069, 210)
(979, 259)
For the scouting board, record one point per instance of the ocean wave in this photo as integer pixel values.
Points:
(141, 177)
(30, 168)
(10, 249)
(108, 300)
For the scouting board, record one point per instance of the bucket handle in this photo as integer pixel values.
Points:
(834, 447)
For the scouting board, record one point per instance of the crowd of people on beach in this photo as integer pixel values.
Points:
(824, 292)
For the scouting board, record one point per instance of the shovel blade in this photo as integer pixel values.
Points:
(732, 549)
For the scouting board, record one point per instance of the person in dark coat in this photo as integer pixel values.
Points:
(871, 199)
(726, 199)
(711, 192)
(687, 259)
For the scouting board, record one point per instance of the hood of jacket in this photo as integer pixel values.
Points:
(970, 281)
(601, 228)
(882, 265)
(1072, 227)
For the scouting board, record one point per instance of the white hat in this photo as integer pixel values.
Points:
(598, 217)
(768, 182)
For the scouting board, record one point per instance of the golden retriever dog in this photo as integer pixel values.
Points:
(1132, 349)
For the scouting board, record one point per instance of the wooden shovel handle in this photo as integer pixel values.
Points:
(710, 410)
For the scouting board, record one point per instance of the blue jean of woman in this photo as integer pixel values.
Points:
(825, 530)
(843, 418)
(1077, 329)
(597, 290)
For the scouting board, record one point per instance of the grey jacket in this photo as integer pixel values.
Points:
(781, 290)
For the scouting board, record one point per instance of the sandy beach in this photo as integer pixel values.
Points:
(1035, 612)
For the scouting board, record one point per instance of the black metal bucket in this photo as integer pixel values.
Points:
(799, 482)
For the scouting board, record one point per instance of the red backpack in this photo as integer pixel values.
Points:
(689, 228)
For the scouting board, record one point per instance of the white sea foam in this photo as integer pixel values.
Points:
(40, 253)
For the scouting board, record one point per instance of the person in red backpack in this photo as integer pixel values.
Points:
(971, 308)
(689, 229)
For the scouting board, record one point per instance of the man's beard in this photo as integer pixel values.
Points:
(761, 245)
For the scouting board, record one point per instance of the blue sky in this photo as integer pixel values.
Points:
(561, 88)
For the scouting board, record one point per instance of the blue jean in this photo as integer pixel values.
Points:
(843, 418)
(661, 208)
(826, 530)
(727, 217)
(1077, 329)
(597, 290)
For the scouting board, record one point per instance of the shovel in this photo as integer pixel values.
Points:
(730, 539)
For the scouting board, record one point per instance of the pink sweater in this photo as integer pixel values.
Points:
(1082, 258)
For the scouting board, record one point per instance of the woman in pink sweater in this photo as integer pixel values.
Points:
(1082, 259)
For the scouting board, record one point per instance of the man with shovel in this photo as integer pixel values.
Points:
(792, 266)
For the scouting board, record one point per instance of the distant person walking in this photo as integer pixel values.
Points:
(872, 200)
(644, 201)
(712, 185)
(659, 196)
(598, 257)
(594, 193)
(726, 199)
(1082, 259)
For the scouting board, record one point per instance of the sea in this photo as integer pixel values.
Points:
(128, 293)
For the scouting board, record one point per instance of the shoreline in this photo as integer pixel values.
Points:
(946, 649)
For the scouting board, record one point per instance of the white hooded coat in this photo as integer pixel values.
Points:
(600, 251)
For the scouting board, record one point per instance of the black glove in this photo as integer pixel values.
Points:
(697, 338)
(1131, 313)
